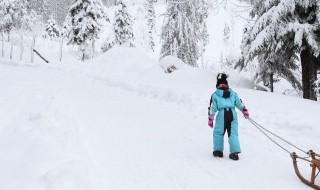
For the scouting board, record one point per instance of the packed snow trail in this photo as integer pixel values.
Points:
(61, 131)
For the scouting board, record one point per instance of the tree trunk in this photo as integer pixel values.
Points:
(11, 50)
(271, 82)
(313, 71)
(33, 46)
(21, 47)
(2, 44)
(308, 74)
(61, 48)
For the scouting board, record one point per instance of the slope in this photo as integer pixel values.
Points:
(120, 122)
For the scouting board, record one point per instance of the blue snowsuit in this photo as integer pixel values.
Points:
(226, 119)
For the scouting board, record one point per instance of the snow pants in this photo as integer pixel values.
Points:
(226, 120)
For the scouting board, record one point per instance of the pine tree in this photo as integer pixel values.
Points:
(123, 25)
(272, 63)
(8, 14)
(226, 33)
(51, 30)
(29, 17)
(56, 9)
(284, 29)
(151, 20)
(184, 30)
(202, 7)
(85, 24)
(66, 28)
(38, 6)
(22, 16)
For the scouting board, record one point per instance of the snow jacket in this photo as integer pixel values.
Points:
(218, 102)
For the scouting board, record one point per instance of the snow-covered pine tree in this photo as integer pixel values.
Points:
(22, 14)
(151, 21)
(123, 25)
(202, 7)
(38, 6)
(8, 14)
(226, 33)
(109, 3)
(66, 28)
(272, 63)
(108, 44)
(29, 18)
(57, 9)
(85, 24)
(51, 30)
(283, 30)
(184, 30)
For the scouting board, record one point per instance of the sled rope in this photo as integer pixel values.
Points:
(265, 131)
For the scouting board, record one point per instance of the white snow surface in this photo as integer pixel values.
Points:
(120, 122)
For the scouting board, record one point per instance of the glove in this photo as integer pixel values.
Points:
(245, 113)
(210, 121)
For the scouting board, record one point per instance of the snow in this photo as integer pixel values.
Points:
(120, 122)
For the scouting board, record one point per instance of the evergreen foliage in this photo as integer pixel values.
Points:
(84, 24)
(9, 15)
(151, 21)
(184, 33)
(123, 25)
(51, 30)
(38, 6)
(283, 30)
(16, 14)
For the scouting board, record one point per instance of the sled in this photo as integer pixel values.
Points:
(314, 160)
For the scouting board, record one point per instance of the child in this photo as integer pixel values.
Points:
(224, 100)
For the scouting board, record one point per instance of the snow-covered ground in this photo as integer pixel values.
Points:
(120, 122)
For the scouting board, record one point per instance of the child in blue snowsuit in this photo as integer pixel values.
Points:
(224, 100)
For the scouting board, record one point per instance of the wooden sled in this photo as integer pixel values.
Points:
(314, 161)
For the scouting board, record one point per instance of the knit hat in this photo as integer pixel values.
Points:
(221, 79)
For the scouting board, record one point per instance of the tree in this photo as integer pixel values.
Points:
(272, 62)
(8, 14)
(226, 33)
(109, 2)
(151, 21)
(38, 6)
(85, 24)
(27, 17)
(184, 30)
(56, 9)
(123, 25)
(284, 29)
(201, 7)
(51, 30)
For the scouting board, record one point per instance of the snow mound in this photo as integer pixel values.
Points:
(120, 60)
(171, 63)
(133, 69)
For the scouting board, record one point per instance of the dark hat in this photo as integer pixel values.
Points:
(222, 79)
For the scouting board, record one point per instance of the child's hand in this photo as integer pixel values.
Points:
(245, 113)
(210, 122)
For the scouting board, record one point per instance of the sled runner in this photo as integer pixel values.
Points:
(314, 161)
